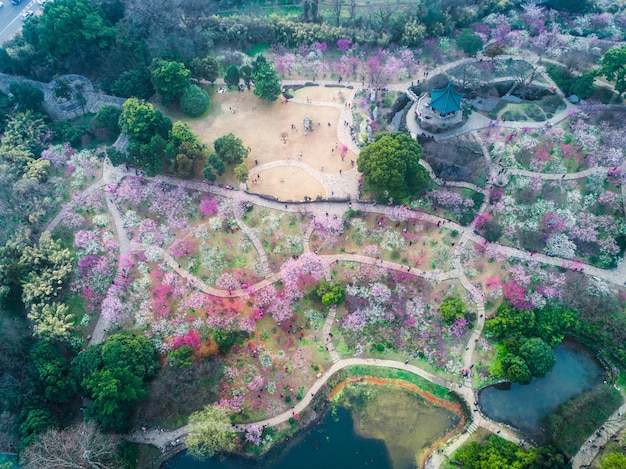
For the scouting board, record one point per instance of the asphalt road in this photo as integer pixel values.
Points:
(11, 17)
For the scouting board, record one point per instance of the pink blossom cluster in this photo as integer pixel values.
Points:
(233, 404)
(87, 241)
(208, 207)
(192, 339)
(161, 298)
(253, 434)
(481, 219)
(58, 154)
(256, 383)
(227, 281)
(458, 327)
(328, 229)
(112, 306)
(182, 248)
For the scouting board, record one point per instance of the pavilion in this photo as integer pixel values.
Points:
(444, 108)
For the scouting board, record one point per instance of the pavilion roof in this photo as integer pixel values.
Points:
(446, 100)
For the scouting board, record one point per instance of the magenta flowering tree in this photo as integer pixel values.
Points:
(450, 200)
(495, 194)
(148, 232)
(208, 207)
(481, 219)
(306, 269)
(112, 309)
(58, 154)
(191, 339)
(265, 297)
(516, 295)
(161, 297)
(182, 248)
(319, 47)
(281, 308)
(374, 69)
(349, 65)
(344, 44)
(458, 327)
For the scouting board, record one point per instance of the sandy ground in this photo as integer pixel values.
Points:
(260, 126)
(293, 183)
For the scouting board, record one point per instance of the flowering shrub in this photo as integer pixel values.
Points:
(208, 207)
(560, 245)
(253, 434)
(227, 282)
(192, 339)
(87, 242)
(182, 248)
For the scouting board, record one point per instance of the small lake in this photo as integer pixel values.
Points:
(332, 443)
(382, 427)
(524, 406)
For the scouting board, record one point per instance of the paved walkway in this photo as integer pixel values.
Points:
(456, 272)
(347, 186)
(164, 439)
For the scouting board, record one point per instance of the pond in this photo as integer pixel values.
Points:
(525, 406)
(382, 427)
(332, 443)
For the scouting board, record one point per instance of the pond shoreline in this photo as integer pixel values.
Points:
(454, 407)
(316, 417)
(577, 369)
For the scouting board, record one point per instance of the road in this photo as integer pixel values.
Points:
(11, 17)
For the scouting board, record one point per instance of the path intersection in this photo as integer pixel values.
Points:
(346, 187)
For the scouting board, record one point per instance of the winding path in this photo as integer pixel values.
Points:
(164, 439)
(330, 182)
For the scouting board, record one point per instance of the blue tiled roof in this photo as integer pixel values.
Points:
(446, 100)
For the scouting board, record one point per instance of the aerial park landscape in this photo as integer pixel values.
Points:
(280, 250)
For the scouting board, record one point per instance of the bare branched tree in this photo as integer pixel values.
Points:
(79, 446)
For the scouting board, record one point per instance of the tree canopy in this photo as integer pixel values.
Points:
(469, 42)
(114, 375)
(26, 97)
(494, 452)
(613, 67)
(452, 308)
(66, 25)
(82, 445)
(211, 432)
(170, 80)
(613, 461)
(194, 101)
(331, 293)
(230, 149)
(265, 78)
(206, 68)
(53, 371)
(390, 166)
(232, 76)
(538, 356)
(140, 121)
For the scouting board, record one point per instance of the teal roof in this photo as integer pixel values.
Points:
(446, 100)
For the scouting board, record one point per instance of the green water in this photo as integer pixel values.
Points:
(381, 427)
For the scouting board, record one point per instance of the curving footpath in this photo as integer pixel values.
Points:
(164, 439)
(349, 187)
